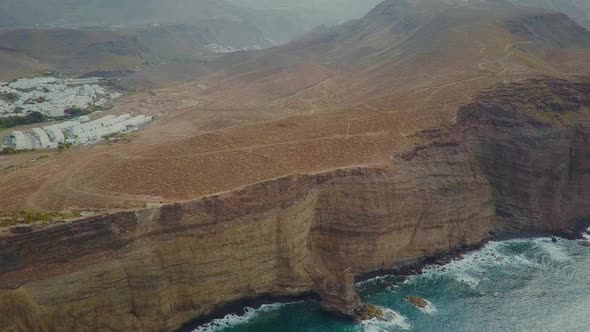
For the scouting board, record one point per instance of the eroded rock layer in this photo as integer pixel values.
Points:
(517, 160)
(532, 141)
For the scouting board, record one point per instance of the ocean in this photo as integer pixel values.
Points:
(514, 285)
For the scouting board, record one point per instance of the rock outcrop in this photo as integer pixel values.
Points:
(156, 269)
(532, 141)
(510, 164)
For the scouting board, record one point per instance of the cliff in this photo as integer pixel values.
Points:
(532, 142)
(511, 164)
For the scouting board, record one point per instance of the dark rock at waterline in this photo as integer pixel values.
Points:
(553, 239)
(410, 270)
(445, 259)
(368, 311)
(417, 302)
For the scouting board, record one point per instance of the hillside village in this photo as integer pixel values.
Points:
(65, 99)
(52, 97)
(76, 132)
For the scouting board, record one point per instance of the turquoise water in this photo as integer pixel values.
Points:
(516, 285)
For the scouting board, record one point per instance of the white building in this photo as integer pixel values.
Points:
(18, 141)
(76, 133)
(52, 96)
(42, 140)
(55, 135)
(56, 131)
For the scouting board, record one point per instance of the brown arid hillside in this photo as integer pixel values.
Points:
(579, 10)
(423, 129)
(67, 50)
(345, 97)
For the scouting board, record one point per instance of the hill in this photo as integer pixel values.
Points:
(339, 97)
(428, 126)
(399, 48)
(579, 10)
(82, 51)
(279, 21)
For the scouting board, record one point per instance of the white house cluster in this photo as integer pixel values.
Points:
(79, 132)
(52, 96)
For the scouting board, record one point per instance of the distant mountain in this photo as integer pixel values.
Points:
(279, 20)
(80, 51)
(406, 48)
(81, 36)
(579, 10)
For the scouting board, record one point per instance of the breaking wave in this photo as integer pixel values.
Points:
(473, 268)
(470, 293)
(391, 321)
(233, 319)
(429, 308)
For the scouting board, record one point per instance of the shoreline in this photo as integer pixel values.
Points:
(405, 269)
(237, 307)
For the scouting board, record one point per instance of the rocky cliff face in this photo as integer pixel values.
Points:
(532, 141)
(157, 268)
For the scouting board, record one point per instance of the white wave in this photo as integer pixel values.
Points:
(553, 250)
(233, 319)
(586, 235)
(391, 321)
(471, 268)
(467, 279)
(429, 309)
(372, 280)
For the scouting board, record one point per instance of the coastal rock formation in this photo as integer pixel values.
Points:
(510, 164)
(158, 268)
(417, 302)
(532, 142)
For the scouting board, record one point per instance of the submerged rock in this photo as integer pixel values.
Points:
(417, 302)
(584, 243)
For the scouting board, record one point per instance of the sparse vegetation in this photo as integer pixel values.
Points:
(76, 112)
(64, 146)
(13, 121)
(37, 100)
(11, 151)
(8, 151)
(10, 97)
(120, 137)
(35, 217)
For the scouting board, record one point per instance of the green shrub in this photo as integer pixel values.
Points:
(10, 97)
(13, 121)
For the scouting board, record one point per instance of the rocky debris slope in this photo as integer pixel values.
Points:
(510, 164)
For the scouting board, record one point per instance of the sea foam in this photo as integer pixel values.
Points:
(429, 308)
(553, 250)
(233, 319)
(471, 268)
(391, 321)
